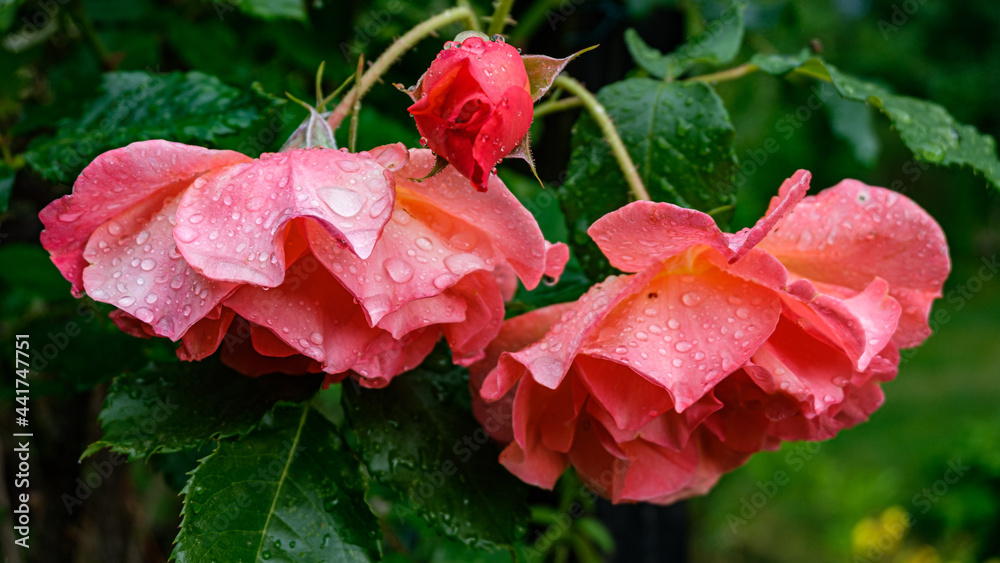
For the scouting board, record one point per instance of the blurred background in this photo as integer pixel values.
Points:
(919, 483)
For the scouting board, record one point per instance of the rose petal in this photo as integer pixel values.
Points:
(550, 358)
(114, 182)
(203, 339)
(135, 266)
(421, 253)
(310, 312)
(497, 214)
(687, 328)
(469, 337)
(861, 325)
(230, 222)
(643, 232)
(851, 233)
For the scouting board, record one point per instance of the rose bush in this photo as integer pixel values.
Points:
(716, 345)
(309, 260)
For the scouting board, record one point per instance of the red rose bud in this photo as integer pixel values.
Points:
(473, 105)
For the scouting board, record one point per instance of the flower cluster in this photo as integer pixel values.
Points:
(715, 345)
(308, 260)
(710, 347)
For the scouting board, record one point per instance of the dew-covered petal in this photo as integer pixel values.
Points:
(231, 223)
(420, 254)
(687, 328)
(644, 232)
(310, 312)
(134, 265)
(654, 471)
(131, 325)
(799, 365)
(388, 357)
(851, 233)
(861, 325)
(447, 307)
(527, 456)
(203, 338)
(515, 334)
(484, 313)
(238, 352)
(629, 398)
(556, 257)
(114, 182)
(549, 359)
(500, 218)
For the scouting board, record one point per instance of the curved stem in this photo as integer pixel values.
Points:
(392, 54)
(553, 106)
(499, 18)
(473, 21)
(609, 131)
(724, 75)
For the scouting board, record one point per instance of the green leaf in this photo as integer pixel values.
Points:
(289, 491)
(274, 9)
(133, 106)
(718, 44)
(925, 128)
(418, 438)
(6, 185)
(8, 11)
(681, 140)
(184, 405)
(854, 123)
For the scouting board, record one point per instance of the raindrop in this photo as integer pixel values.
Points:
(399, 270)
(342, 201)
(691, 299)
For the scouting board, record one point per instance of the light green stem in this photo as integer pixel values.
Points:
(609, 131)
(474, 22)
(724, 75)
(499, 18)
(393, 53)
(553, 106)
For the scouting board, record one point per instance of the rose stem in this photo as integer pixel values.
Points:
(396, 50)
(724, 75)
(499, 18)
(352, 136)
(552, 106)
(600, 115)
(473, 21)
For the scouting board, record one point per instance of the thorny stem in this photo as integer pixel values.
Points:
(724, 75)
(553, 106)
(609, 131)
(396, 50)
(352, 136)
(499, 18)
(474, 21)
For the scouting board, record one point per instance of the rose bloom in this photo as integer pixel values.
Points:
(717, 345)
(473, 105)
(308, 260)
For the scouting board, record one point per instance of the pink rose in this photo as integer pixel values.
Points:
(309, 260)
(654, 384)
